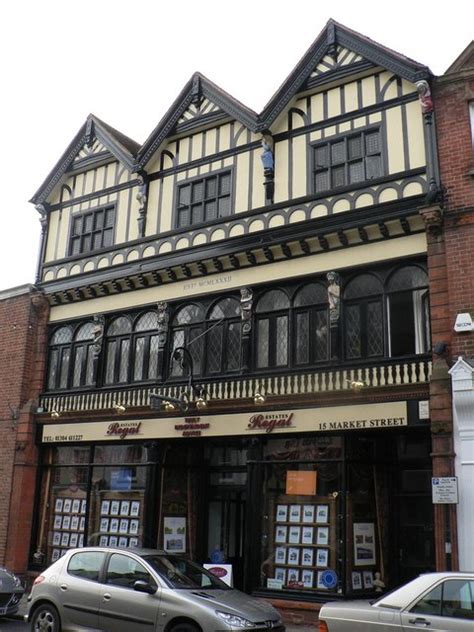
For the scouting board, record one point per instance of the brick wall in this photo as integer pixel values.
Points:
(23, 317)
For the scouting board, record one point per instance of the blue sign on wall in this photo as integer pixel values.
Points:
(329, 579)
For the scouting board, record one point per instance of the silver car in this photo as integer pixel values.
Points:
(435, 601)
(119, 590)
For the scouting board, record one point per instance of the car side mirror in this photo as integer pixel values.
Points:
(144, 587)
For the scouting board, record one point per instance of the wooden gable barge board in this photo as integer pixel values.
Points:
(404, 247)
(293, 232)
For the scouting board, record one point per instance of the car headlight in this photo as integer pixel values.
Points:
(234, 621)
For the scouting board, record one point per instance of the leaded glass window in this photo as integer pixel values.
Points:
(70, 362)
(92, 230)
(188, 331)
(311, 334)
(363, 317)
(272, 329)
(204, 199)
(408, 311)
(223, 336)
(349, 160)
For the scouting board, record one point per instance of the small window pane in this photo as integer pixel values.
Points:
(226, 308)
(322, 181)
(321, 157)
(120, 325)
(321, 338)
(108, 237)
(139, 358)
(372, 143)
(89, 378)
(196, 214)
(85, 332)
(224, 182)
(61, 336)
(374, 167)
(197, 192)
(263, 343)
(53, 368)
(233, 347)
(211, 187)
(99, 220)
(338, 176)
(178, 341)
(97, 243)
(281, 356)
(184, 195)
(356, 172)
(146, 322)
(109, 217)
(76, 246)
(124, 359)
(338, 153)
(88, 219)
(86, 243)
(78, 360)
(224, 206)
(183, 218)
(353, 332)
(77, 226)
(214, 348)
(363, 285)
(86, 565)
(311, 294)
(374, 329)
(355, 147)
(153, 358)
(111, 351)
(210, 210)
(188, 314)
(65, 357)
(302, 338)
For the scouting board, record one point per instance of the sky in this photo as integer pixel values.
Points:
(127, 61)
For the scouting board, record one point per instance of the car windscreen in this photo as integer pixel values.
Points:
(178, 572)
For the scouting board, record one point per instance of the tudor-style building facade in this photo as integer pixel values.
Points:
(282, 258)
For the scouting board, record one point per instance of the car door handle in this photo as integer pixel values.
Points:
(63, 587)
(106, 597)
(419, 621)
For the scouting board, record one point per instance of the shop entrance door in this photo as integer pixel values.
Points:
(226, 510)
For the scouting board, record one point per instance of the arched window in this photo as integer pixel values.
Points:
(408, 311)
(187, 329)
(59, 358)
(272, 321)
(132, 349)
(310, 325)
(71, 358)
(223, 337)
(145, 347)
(118, 351)
(363, 317)
(83, 358)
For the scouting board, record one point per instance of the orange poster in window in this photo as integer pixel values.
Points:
(301, 482)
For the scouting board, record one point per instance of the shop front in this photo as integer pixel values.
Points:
(304, 504)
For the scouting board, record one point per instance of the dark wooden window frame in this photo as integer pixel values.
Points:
(329, 168)
(181, 210)
(72, 347)
(97, 231)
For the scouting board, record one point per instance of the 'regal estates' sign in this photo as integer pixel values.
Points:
(275, 422)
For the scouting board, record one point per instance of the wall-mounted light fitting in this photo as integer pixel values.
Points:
(119, 408)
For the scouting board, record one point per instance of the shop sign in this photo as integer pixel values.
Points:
(192, 427)
(269, 421)
(123, 430)
(301, 482)
(445, 490)
(329, 579)
(222, 571)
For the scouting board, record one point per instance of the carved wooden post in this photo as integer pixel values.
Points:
(334, 300)
(142, 197)
(163, 328)
(246, 301)
(97, 345)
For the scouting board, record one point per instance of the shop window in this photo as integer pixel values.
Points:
(310, 325)
(92, 230)
(272, 322)
(187, 331)
(132, 349)
(363, 317)
(70, 361)
(301, 540)
(204, 199)
(408, 311)
(349, 160)
(223, 337)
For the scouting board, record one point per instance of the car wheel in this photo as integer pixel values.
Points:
(45, 619)
(185, 627)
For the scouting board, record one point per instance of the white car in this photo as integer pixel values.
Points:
(435, 601)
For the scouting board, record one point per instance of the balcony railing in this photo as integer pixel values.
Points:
(328, 380)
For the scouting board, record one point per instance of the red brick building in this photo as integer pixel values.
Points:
(451, 271)
(23, 318)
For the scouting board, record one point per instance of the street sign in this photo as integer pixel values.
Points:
(445, 490)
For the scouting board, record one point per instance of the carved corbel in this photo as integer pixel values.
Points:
(142, 197)
(433, 219)
(246, 311)
(425, 99)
